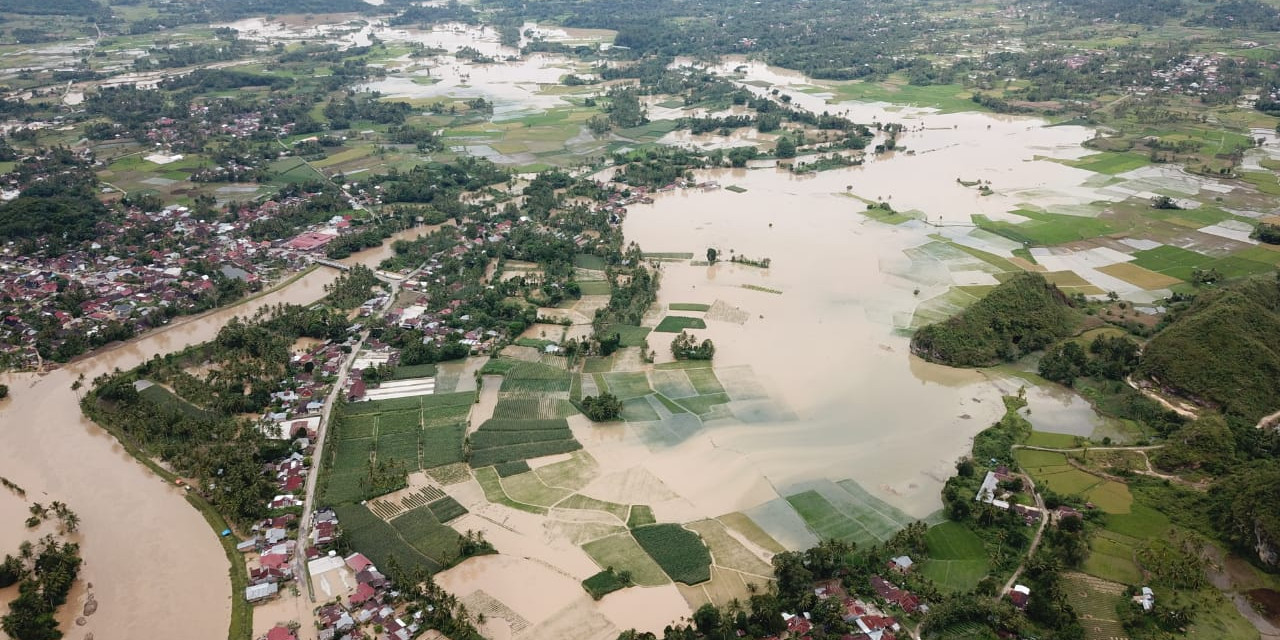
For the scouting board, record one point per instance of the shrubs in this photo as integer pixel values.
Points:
(678, 551)
(1022, 315)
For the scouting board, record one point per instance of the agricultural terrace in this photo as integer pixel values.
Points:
(376, 447)
(957, 557)
(377, 443)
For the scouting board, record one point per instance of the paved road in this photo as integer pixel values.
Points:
(304, 528)
(308, 505)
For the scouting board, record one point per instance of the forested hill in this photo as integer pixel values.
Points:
(52, 7)
(1022, 315)
(1223, 350)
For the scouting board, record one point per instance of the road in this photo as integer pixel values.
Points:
(1044, 513)
(308, 504)
(304, 528)
(1035, 542)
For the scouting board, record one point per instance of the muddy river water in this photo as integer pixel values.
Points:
(153, 561)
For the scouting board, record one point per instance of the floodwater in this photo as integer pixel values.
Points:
(152, 559)
(1058, 410)
(825, 349)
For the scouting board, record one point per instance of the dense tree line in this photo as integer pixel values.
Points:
(44, 574)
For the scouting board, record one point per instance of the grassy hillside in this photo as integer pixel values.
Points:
(1222, 350)
(1022, 315)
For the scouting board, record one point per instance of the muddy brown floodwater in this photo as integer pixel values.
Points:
(849, 400)
(153, 561)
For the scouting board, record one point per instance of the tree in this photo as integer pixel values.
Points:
(686, 347)
(4, 391)
(786, 147)
(602, 408)
(712, 254)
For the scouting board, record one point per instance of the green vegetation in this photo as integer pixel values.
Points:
(623, 553)
(1046, 229)
(446, 509)
(957, 557)
(376, 444)
(504, 440)
(688, 306)
(679, 552)
(506, 469)
(677, 324)
(1111, 162)
(641, 515)
(405, 372)
(606, 582)
(1021, 315)
(1219, 350)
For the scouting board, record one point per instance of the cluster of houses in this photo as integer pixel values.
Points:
(870, 618)
(367, 608)
(991, 493)
(295, 409)
(1195, 75)
(114, 279)
(273, 546)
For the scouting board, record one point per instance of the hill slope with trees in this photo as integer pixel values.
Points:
(1221, 351)
(1024, 314)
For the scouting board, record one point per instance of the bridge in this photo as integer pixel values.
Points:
(331, 263)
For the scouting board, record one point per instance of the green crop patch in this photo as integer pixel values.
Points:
(629, 335)
(641, 515)
(676, 324)
(352, 455)
(379, 541)
(504, 424)
(169, 401)
(827, 521)
(350, 427)
(603, 584)
(702, 405)
(954, 541)
(1141, 522)
(399, 422)
(628, 385)
(507, 469)
(705, 381)
(955, 576)
(623, 553)
(588, 261)
(688, 306)
(446, 509)
(487, 439)
(399, 448)
(679, 552)
(1111, 163)
(442, 445)
(495, 455)
(420, 528)
(638, 410)
(405, 372)
(1046, 229)
(595, 287)
(1052, 440)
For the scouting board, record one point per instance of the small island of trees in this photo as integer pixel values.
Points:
(686, 347)
(602, 408)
